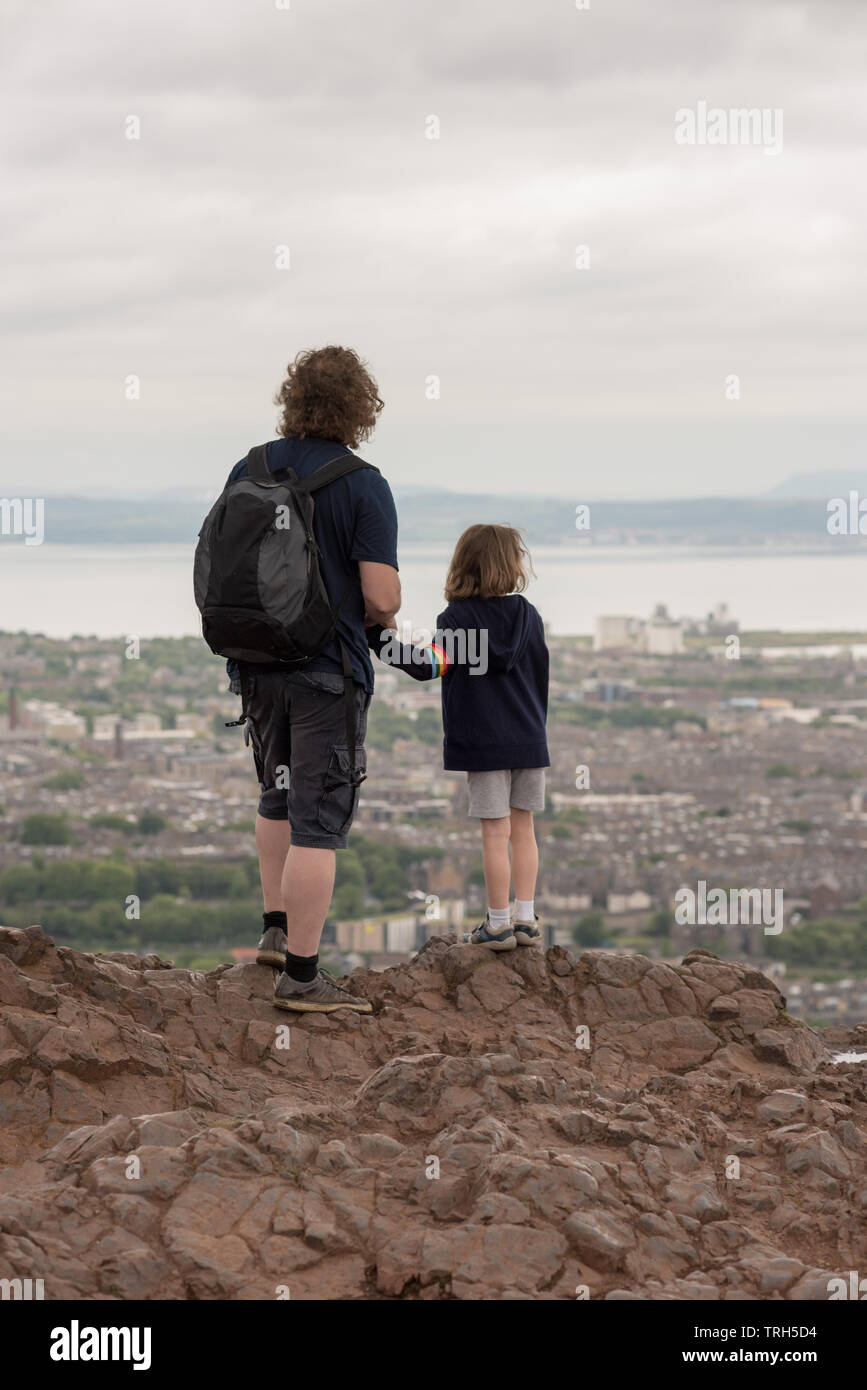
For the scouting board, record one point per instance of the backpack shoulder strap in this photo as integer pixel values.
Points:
(257, 464)
(330, 472)
(349, 712)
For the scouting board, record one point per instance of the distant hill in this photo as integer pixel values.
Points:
(833, 482)
(440, 516)
(435, 517)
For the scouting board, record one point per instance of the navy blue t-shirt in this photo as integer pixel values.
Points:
(354, 519)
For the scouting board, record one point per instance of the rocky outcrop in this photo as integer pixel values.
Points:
(519, 1127)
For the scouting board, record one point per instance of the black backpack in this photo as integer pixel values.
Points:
(256, 574)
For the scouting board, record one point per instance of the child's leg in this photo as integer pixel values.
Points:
(489, 804)
(525, 855)
(495, 859)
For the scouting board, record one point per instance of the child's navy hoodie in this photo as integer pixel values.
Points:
(497, 719)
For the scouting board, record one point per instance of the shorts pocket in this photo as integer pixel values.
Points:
(339, 797)
(327, 681)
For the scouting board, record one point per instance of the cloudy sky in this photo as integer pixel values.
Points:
(456, 257)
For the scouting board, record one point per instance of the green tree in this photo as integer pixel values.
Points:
(67, 780)
(590, 929)
(44, 829)
(67, 880)
(19, 884)
(429, 727)
(158, 876)
(110, 821)
(660, 923)
(112, 882)
(385, 725)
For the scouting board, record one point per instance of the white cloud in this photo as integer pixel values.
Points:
(454, 256)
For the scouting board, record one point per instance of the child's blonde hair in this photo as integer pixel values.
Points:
(489, 561)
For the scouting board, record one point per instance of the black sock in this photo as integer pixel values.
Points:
(301, 968)
(274, 919)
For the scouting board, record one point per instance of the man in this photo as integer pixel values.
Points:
(297, 718)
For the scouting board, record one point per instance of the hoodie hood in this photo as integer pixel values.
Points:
(508, 623)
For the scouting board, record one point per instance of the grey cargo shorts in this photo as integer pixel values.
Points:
(297, 729)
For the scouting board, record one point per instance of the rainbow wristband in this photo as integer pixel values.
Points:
(438, 660)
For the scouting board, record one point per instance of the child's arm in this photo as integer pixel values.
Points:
(423, 663)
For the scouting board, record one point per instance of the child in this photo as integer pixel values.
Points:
(491, 652)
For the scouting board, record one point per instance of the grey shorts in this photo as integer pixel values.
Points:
(297, 729)
(492, 794)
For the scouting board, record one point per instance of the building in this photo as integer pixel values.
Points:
(659, 635)
(393, 935)
(616, 632)
(663, 637)
(53, 721)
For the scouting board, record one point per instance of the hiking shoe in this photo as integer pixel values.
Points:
(321, 996)
(273, 947)
(527, 933)
(494, 941)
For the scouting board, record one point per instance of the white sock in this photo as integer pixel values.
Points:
(498, 918)
(524, 911)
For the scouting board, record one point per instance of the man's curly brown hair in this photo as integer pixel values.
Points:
(328, 393)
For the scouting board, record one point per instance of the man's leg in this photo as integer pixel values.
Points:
(321, 805)
(273, 838)
(308, 883)
(297, 881)
(268, 725)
